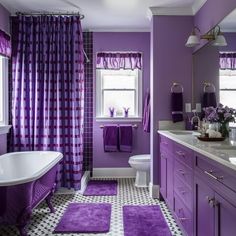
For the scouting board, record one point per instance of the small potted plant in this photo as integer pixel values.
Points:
(126, 111)
(220, 117)
(111, 110)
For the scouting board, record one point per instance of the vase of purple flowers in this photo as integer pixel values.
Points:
(221, 115)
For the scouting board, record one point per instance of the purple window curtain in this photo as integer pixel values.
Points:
(117, 61)
(48, 90)
(228, 61)
(5, 44)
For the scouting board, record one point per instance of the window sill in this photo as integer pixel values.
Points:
(118, 119)
(4, 129)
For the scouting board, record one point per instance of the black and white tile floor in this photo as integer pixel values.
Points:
(43, 223)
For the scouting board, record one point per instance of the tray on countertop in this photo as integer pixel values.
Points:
(207, 139)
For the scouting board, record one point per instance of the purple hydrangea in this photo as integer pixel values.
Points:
(220, 114)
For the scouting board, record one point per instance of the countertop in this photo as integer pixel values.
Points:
(223, 152)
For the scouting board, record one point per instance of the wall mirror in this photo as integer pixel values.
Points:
(214, 68)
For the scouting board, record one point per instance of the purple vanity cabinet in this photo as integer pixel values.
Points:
(183, 187)
(214, 198)
(166, 188)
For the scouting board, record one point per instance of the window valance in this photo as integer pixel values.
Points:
(228, 61)
(117, 61)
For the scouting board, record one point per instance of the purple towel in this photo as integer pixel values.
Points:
(126, 138)
(146, 114)
(110, 138)
(209, 100)
(177, 107)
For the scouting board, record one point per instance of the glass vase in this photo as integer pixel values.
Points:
(224, 129)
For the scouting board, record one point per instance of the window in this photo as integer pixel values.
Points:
(119, 89)
(228, 87)
(3, 91)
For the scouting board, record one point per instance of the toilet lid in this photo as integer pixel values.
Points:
(143, 158)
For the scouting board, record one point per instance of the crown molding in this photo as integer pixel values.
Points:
(175, 11)
(198, 5)
(170, 11)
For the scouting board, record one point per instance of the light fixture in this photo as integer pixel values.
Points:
(214, 35)
(193, 39)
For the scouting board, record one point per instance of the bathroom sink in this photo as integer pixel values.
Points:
(184, 132)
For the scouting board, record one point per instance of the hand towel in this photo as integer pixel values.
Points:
(209, 99)
(126, 138)
(146, 114)
(177, 106)
(110, 138)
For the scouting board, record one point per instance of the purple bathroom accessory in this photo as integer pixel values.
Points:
(145, 221)
(19, 200)
(111, 110)
(85, 218)
(101, 188)
(126, 111)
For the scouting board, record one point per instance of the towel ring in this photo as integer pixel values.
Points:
(174, 85)
(207, 85)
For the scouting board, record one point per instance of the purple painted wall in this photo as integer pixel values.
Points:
(212, 12)
(141, 143)
(4, 19)
(205, 69)
(5, 26)
(231, 40)
(170, 61)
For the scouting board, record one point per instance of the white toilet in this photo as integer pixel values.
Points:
(141, 163)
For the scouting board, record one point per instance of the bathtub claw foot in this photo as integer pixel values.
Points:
(49, 203)
(22, 230)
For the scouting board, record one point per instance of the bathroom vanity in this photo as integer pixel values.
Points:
(198, 183)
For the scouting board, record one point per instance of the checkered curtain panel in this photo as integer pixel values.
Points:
(48, 90)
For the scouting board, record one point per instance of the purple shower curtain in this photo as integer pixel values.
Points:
(48, 90)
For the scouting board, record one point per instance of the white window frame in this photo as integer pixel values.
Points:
(99, 99)
(226, 73)
(4, 92)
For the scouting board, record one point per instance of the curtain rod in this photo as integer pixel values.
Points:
(50, 14)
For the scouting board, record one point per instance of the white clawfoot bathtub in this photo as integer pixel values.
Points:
(26, 179)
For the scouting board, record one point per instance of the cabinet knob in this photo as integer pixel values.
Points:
(182, 172)
(183, 219)
(210, 173)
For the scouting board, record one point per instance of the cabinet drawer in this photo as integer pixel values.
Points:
(184, 216)
(184, 173)
(183, 192)
(216, 172)
(183, 154)
(166, 143)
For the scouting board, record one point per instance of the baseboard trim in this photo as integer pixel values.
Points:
(84, 181)
(154, 190)
(114, 172)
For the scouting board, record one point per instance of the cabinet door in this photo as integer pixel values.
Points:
(163, 175)
(225, 217)
(169, 183)
(204, 211)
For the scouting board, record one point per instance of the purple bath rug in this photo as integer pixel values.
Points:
(101, 188)
(145, 221)
(85, 218)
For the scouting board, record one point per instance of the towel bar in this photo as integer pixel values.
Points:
(177, 85)
(134, 126)
(207, 84)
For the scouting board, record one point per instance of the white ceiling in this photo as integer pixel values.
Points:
(228, 24)
(108, 15)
